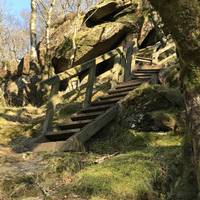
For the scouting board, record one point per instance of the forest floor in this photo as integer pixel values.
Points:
(123, 161)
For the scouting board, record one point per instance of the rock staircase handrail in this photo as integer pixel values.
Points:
(123, 63)
(167, 59)
(156, 55)
(74, 71)
(152, 48)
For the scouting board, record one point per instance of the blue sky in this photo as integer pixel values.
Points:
(18, 5)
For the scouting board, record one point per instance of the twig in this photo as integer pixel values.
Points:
(104, 158)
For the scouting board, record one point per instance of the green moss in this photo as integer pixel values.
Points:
(150, 108)
(146, 165)
(114, 179)
(192, 78)
(64, 47)
(149, 163)
(165, 120)
(21, 186)
(156, 97)
(69, 109)
(58, 163)
(170, 76)
(136, 174)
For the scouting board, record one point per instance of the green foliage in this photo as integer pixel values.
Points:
(170, 76)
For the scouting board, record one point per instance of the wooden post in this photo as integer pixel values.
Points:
(117, 70)
(73, 84)
(155, 58)
(134, 52)
(127, 57)
(90, 83)
(156, 55)
(51, 106)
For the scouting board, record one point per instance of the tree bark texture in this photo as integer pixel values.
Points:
(182, 19)
(33, 30)
(48, 28)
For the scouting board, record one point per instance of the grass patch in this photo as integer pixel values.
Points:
(19, 124)
(139, 173)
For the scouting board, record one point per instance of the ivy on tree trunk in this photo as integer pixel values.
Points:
(182, 19)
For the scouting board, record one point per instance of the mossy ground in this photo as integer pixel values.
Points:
(140, 171)
(145, 164)
(146, 167)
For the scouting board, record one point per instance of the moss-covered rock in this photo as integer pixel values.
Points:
(164, 121)
(154, 108)
(104, 11)
(170, 76)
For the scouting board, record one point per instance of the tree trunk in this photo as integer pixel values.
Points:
(48, 69)
(34, 95)
(33, 30)
(182, 19)
(75, 33)
(49, 17)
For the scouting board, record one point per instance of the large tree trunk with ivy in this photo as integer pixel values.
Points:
(182, 19)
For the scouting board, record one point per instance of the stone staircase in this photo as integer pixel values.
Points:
(131, 68)
(88, 121)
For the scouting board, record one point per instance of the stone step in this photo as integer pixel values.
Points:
(111, 96)
(147, 71)
(128, 84)
(96, 108)
(61, 134)
(122, 90)
(106, 101)
(85, 116)
(144, 75)
(48, 146)
(74, 124)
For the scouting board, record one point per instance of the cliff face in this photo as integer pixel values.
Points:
(101, 29)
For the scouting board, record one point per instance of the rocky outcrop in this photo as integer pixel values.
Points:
(102, 29)
(105, 11)
(154, 108)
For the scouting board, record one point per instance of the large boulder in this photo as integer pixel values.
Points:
(105, 11)
(100, 30)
